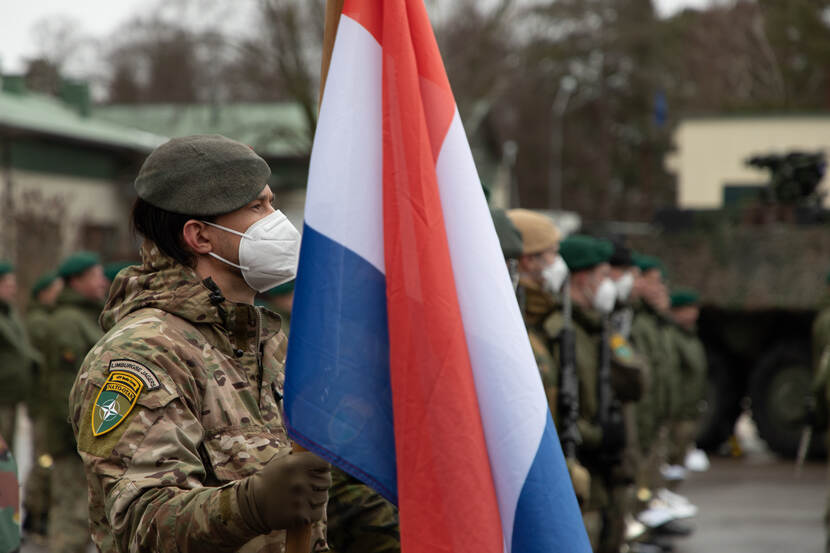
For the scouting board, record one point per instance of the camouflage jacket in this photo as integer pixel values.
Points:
(177, 402)
(650, 340)
(692, 367)
(37, 324)
(537, 308)
(72, 331)
(18, 359)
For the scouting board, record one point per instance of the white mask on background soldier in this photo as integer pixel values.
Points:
(605, 297)
(268, 252)
(624, 285)
(554, 275)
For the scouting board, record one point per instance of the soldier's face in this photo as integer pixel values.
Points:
(91, 284)
(686, 316)
(48, 295)
(533, 265)
(226, 244)
(8, 287)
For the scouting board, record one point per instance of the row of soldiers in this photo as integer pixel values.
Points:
(623, 370)
(39, 357)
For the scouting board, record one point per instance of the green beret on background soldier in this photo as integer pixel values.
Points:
(177, 410)
(19, 360)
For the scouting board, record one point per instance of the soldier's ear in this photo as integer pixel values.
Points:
(196, 235)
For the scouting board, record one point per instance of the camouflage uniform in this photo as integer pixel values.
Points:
(163, 477)
(691, 358)
(37, 498)
(544, 321)
(359, 519)
(18, 362)
(649, 339)
(73, 331)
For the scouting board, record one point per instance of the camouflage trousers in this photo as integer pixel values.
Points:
(359, 519)
(69, 511)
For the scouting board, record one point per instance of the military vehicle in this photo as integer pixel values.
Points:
(760, 267)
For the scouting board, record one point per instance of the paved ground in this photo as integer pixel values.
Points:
(757, 505)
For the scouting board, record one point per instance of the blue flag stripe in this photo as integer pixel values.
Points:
(547, 514)
(337, 368)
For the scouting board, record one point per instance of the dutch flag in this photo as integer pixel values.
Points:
(408, 363)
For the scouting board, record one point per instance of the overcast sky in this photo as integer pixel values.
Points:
(99, 17)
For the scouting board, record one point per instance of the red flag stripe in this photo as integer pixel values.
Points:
(446, 493)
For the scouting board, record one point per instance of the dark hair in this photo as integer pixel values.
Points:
(164, 228)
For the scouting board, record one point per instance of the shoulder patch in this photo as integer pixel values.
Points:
(148, 377)
(115, 400)
(620, 347)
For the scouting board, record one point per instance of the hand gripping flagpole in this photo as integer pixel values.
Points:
(298, 540)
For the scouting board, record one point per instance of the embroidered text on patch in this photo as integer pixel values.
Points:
(151, 382)
(115, 401)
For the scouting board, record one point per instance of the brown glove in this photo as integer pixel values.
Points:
(289, 491)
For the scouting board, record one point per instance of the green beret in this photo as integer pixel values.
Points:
(6, 267)
(203, 175)
(112, 269)
(684, 297)
(583, 252)
(510, 239)
(43, 282)
(647, 262)
(77, 263)
(281, 290)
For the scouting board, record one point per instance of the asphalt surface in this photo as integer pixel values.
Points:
(755, 504)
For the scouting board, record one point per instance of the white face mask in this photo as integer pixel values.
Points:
(624, 286)
(268, 252)
(554, 275)
(605, 297)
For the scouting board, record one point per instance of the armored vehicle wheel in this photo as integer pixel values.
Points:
(723, 404)
(779, 386)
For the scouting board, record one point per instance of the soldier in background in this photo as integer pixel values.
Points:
(18, 358)
(603, 434)
(73, 331)
(650, 337)
(685, 309)
(630, 378)
(541, 274)
(45, 293)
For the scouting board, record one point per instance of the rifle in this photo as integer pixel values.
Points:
(609, 415)
(569, 381)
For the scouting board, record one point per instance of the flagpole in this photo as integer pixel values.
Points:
(298, 540)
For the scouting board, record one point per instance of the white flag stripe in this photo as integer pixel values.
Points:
(510, 394)
(345, 179)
